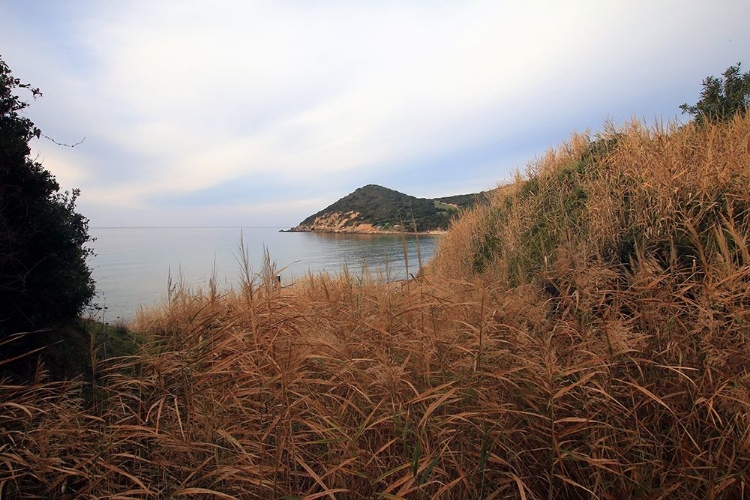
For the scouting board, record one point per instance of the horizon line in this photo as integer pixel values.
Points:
(185, 227)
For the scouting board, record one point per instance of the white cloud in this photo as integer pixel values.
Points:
(181, 96)
(67, 171)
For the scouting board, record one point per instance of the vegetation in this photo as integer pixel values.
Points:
(79, 346)
(387, 209)
(633, 347)
(584, 334)
(44, 278)
(721, 99)
(465, 200)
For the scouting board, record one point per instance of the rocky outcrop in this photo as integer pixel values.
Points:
(338, 222)
(334, 222)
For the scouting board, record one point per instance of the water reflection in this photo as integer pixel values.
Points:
(132, 265)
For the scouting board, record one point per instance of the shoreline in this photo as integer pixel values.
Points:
(437, 232)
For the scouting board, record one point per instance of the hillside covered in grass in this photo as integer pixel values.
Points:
(585, 334)
(375, 208)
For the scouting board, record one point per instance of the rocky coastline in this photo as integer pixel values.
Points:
(341, 223)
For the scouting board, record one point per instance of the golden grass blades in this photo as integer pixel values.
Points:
(585, 334)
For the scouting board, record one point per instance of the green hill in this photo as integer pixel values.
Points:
(376, 208)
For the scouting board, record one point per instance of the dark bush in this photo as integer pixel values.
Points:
(44, 277)
(722, 98)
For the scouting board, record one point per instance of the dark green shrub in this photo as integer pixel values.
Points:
(44, 278)
(722, 98)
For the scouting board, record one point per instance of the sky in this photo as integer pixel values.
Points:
(253, 113)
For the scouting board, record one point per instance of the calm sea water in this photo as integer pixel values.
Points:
(132, 265)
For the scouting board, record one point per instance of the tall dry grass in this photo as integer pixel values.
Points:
(585, 335)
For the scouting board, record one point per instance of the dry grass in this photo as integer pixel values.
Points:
(586, 335)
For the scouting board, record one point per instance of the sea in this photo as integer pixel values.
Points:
(133, 266)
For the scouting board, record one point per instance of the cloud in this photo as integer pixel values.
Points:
(182, 99)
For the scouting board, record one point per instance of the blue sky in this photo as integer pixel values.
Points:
(242, 113)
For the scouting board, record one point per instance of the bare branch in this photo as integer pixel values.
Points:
(61, 143)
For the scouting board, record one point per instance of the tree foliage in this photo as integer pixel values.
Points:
(44, 277)
(722, 98)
